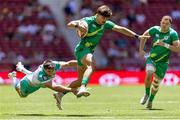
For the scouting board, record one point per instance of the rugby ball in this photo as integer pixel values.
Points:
(82, 34)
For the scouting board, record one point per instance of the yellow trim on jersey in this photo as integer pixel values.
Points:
(94, 33)
(161, 58)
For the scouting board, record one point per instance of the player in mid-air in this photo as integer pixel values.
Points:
(42, 77)
(165, 40)
(92, 29)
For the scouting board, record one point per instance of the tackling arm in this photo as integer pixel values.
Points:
(71, 63)
(55, 87)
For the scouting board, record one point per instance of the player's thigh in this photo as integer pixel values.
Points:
(80, 55)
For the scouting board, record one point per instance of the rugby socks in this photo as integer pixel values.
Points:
(151, 98)
(85, 81)
(147, 90)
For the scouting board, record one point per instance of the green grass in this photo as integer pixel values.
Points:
(104, 103)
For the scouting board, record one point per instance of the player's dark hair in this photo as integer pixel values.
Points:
(105, 11)
(48, 64)
(167, 17)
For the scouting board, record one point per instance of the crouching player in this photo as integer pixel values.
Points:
(41, 77)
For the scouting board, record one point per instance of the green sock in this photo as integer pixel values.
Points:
(147, 91)
(85, 81)
(151, 98)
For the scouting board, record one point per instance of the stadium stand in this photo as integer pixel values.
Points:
(28, 33)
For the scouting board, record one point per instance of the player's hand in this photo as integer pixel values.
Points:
(142, 53)
(160, 43)
(81, 26)
(141, 37)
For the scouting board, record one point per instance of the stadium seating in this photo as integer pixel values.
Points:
(27, 46)
(31, 48)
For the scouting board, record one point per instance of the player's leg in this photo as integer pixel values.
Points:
(20, 68)
(75, 84)
(89, 62)
(159, 75)
(15, 82)
(150, 69)
(155, 87)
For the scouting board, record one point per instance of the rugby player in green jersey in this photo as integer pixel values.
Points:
(165, 40)
(41, 78)
(94, 27)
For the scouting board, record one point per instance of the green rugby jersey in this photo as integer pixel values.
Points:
(39, 77)
(94, 34)
(159, 53)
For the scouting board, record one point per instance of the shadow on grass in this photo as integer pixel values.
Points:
(153, 109)
(53, 115)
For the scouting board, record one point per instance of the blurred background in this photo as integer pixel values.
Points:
(34, 30)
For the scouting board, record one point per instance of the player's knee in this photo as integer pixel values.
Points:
(92, 67)
(150, 69)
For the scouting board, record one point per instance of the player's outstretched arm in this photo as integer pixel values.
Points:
(128, 32)
(71, 63)
(59, 88)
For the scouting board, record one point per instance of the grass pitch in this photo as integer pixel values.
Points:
(104, 103)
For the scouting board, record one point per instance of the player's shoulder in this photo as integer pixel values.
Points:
(172, 31)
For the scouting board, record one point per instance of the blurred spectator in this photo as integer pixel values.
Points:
(113, 51)
(175, 14)
(140, 18)
(131, 17)
(86, 11)
(2, 54)
(44, 13)
(121, 43)
(38, 56)
(9, 34)
(49, 28)
(124, 21)
(70, 9)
